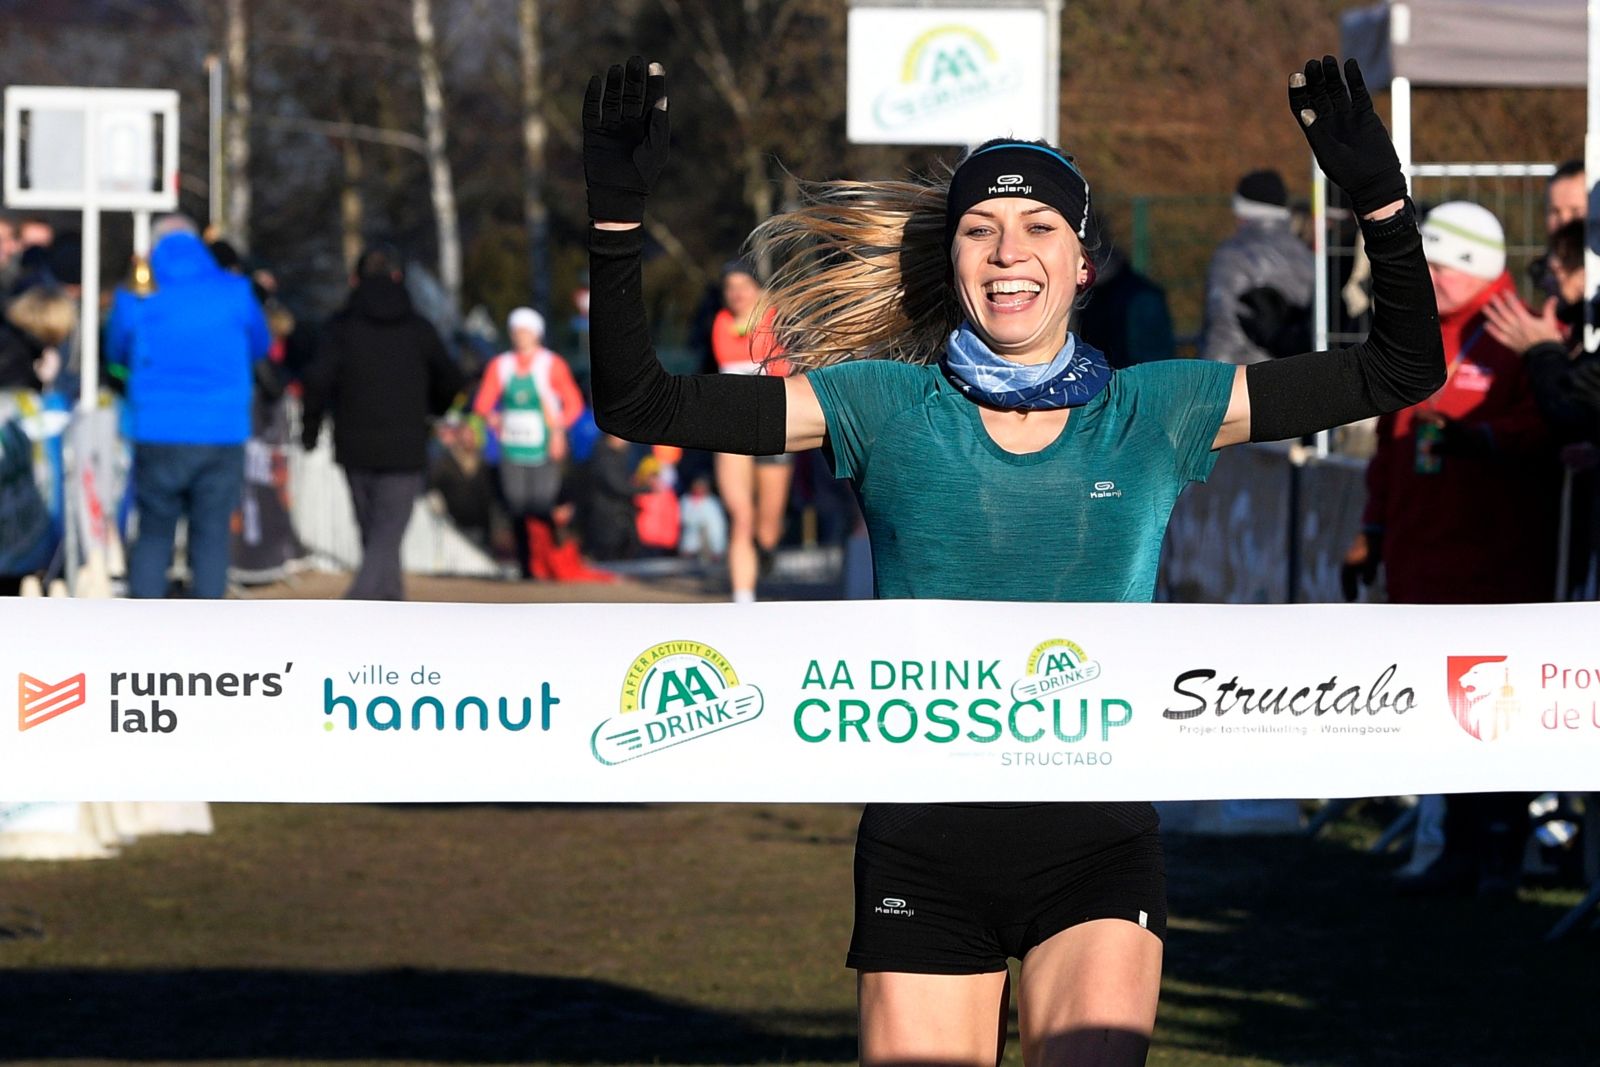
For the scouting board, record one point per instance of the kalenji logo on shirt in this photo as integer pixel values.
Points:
(1102, 490)
(39, 702)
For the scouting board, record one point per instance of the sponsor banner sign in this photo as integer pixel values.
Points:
(948, 74)
(875, 701)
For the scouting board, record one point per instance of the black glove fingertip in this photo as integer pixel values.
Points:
(1337, 96)
(1360, 98)
(633, 88)
(591, 103)
(611, 102)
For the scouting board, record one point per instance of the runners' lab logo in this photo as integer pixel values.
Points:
(676, 691)
(946, 68)
(1055, 665)
(1482, 697)
(39, 702)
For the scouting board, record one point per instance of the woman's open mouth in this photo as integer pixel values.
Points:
(1010, 295)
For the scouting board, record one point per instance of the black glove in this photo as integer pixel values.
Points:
(624, 140)
(1346, 135)
(1464, 439)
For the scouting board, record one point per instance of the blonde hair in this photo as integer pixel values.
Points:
(48, 317)
(859, 271)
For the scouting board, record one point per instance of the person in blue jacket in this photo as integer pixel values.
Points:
(188, 351)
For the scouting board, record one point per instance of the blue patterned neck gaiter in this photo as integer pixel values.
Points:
(1073, 377)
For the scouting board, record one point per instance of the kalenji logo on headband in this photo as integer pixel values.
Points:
(1010, 183)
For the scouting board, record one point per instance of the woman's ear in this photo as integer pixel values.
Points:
(1086, 274)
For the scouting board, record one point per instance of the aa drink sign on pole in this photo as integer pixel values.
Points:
(953, 73)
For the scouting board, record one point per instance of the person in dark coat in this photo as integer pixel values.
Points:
(605, 501)
(1126, 316)
(381, 370)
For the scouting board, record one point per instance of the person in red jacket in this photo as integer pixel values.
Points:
(1461, 507)
(1460, 493)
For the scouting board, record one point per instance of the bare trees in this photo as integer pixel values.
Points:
(237, 151)
(440, 179)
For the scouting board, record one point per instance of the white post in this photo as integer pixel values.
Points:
(1400, 119)
(1319, 291)
(141, 234)
(89, 323)
(1052, 63)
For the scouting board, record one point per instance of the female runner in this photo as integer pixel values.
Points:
(755, 490)
(973, 426)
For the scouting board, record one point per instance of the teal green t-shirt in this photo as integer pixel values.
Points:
(952, 515)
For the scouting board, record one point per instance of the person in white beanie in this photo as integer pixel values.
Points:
(1461, 506)
(529, 398)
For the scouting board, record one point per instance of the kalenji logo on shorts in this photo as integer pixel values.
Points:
(39, 702)
(1482, 698)
(893, 906)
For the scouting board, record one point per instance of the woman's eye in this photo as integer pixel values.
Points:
(1042, 227)
(978, 231)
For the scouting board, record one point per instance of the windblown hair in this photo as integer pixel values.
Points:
(859, 271)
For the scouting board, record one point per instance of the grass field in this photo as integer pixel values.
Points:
(704, 935)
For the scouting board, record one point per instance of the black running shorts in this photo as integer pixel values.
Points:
(956, 889)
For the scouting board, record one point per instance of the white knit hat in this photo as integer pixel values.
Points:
(525, 319)
(1465, 237)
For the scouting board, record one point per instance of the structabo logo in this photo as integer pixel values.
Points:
(1482, 698)
(1054, 665)
(39, 702)
(674, 692)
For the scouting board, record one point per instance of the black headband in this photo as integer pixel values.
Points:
(1018, 169)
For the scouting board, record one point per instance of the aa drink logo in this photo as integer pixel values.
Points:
(39, 701)
(674, 692)
(1054, 665)
(1482, 698)
(948, 67)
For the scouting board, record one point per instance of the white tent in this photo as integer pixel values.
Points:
(1485, 43)
(1470, 42)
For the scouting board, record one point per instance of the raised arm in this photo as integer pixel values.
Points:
(1402, 360)
(625, 138)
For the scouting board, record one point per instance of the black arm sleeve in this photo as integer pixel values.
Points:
(635, 398)
(1400, 363)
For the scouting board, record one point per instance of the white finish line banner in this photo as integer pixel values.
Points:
(860, 701)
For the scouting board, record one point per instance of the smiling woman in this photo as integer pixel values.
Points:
(996, 456)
